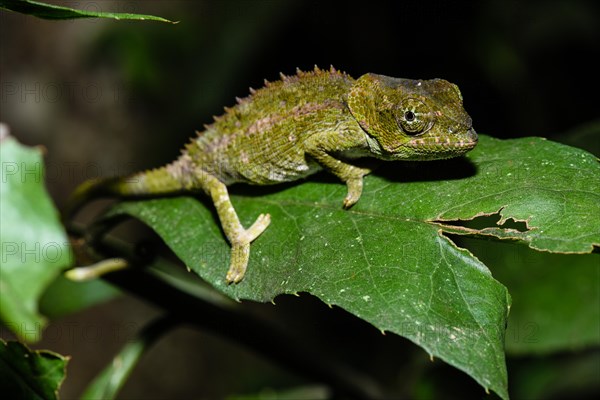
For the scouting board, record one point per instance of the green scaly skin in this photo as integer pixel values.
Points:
(296, 126)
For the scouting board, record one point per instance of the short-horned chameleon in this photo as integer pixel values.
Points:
(296, 126)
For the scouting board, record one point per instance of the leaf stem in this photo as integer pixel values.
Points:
(107, 384)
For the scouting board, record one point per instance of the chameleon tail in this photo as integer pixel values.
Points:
(153, 182)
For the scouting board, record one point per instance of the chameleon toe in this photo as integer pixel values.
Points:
(240, 253)
(258, 227)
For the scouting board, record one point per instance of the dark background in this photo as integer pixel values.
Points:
(107, 97)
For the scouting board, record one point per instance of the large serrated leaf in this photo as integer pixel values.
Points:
(399, 275)
(386, 260)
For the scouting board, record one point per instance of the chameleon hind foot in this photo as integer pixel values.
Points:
(240, 248)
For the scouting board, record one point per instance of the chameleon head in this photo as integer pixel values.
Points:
(408, 119)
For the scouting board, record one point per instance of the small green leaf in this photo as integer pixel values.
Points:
(64, 297)
(51, 11)
(33, 241)
(26, 374)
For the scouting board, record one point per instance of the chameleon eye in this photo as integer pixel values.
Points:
(414, 117)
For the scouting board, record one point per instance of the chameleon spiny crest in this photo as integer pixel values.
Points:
(296, 126)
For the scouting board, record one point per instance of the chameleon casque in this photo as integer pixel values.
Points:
(294, 127)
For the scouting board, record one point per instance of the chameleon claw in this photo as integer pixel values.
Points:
(240, 253)
(348, 203)
(354, 192)
(240, 248)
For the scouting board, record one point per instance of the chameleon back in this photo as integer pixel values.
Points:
(260, 140)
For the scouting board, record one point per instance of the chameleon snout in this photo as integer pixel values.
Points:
(472, 136)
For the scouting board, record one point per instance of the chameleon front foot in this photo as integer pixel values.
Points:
(355, 186)
(240, 248)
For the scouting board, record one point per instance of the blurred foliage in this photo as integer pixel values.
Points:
(34, 243)
(27, 374)
(51, 11)
(64, 297)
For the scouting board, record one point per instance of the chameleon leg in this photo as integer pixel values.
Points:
(350, 174)
(238, 237)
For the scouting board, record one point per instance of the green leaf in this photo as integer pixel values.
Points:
(540, 321)
(401, 276)
(33, 241)
(50, 11)
(554, 189)
(26, 374)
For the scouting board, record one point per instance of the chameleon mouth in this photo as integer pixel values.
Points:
(436, 147)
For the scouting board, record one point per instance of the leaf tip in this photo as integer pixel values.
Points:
(4, 131)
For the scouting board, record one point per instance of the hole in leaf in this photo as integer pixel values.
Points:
(511, 223)
(489, 221)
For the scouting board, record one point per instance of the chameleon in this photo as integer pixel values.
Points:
(298, 125)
